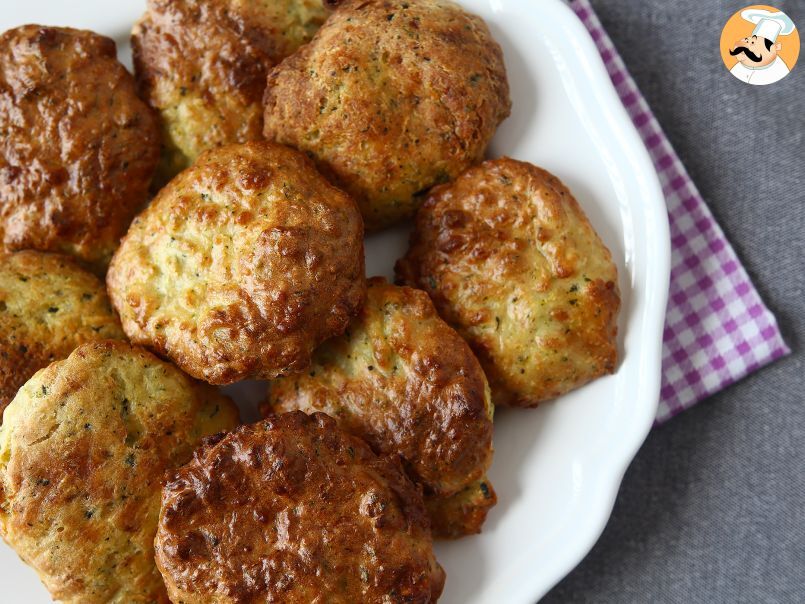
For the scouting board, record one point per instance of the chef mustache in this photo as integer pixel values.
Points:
(743, 49)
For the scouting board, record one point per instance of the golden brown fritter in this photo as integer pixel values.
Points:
(390, 98)
(48, 306)
(294, 510)
(203, 66)
(242, 265)
(78, 147)
(512, 262)
(83, 451)
(404, 381)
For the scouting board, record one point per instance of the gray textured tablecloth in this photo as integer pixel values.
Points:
(713, 507)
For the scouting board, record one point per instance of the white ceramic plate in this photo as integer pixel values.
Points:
(557, 469)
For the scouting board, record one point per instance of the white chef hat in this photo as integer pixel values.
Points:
(769, 25)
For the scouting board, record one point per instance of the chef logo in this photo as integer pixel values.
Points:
(760, 45)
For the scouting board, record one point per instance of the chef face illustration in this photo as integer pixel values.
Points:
(757, 54)
(755, 51)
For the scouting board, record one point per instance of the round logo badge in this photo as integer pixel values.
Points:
(760, 45)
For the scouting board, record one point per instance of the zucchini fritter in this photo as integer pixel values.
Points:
(390, 98)
(511, 261)
(294, 510)
(83, 450)
(242, 265)
(78, 147)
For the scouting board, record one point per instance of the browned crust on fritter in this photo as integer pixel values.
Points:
(463, 513)
(203, 65)
(511, 261)
(294, 510)
(48, 306)
(242, 265)
(84, 448)
(404, 381)
(390, 98)
(78, 146)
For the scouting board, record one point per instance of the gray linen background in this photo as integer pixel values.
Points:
(713, 507)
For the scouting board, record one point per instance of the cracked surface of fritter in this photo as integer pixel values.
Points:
(512, 262)
(78, 147)
(294, 510)
(390, 98)
(242, 265)
(84, 449)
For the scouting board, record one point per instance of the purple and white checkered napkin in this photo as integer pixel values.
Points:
(717, 329)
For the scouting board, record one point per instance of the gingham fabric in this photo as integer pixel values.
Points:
(717, 329)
